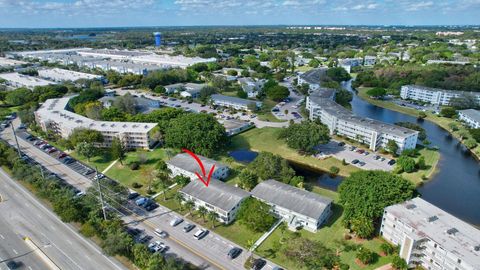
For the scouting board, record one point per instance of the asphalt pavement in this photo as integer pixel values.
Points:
(23, 215)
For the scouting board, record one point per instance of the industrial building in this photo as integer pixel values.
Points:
(343, 122)
(10, 63)
(123, 61)
(62, 75)
(470, 117)
(222, 198)
(17, 80)
(234, 102)
(54, 116)
(433, 95)
(184, 164)
(430, 237)
(298, 207)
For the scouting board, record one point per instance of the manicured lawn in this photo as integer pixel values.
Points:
(100, 162)
(266, 113)
(331, 235)
(431, 160)
(304, 68)
(127, 176)
(266, 139)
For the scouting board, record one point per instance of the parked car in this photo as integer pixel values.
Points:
(360, 151)
(13, 265)
(341, 144)
(144, 238)
(355, 161)
(52, 150)
(234, 252)
(151, 206)
(133, 231)
(258, 264)
(361, 163)
(141, 201)
(352, 148)
(366, 153)
(98, 176)
(200, 234)
(161, 233)
(376, 157)
(188, 227)
(62, 155)
(39, 142)
(382, 159)
(392, 162)
(176, 221)
(132, 195)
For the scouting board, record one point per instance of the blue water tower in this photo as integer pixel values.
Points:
(158, 39)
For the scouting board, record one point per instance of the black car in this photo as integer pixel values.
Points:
(13, 265)
(151, 207)
(258, 264)
(132, 195)
(133, 231)
(234, 252)
(341, 144)
(392, 162)
(355, 161)
(188, 227)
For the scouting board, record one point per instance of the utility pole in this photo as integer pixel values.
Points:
(16, 141)
(100, 192)
(41, 170)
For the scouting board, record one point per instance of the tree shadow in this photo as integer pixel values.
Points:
(337, 212)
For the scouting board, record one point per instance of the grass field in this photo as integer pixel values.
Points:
(431, 160)
(266, 113)
(266, 139)
(331, 235)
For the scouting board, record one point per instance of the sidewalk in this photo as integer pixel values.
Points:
(265, 235)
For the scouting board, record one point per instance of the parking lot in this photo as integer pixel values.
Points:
(362, 158)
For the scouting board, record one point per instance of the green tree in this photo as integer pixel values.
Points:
(365, 255)
(255, 215)
(178, 197)
(181, 180)
(470, 143)
(309, 254)
(126, 103)
(305, 136)
(117, 150)
(117, 243)
(277, 92)
(202, 211)
(189, 205)
(201, 133)
(80, 135)
(212, 217)
(19, 96)
(448, 112)
(270, 166)
(93, 110)
(334, 170)
(405, 164)
(86, 149)
(362, 226)
(367, 193)
(248, 179)
(392, 147)
(377, 92)
(343, 97)
(387, 248)
(421, 163)
(453, 126)
(422, 115)
(338, 74)
(399, 263)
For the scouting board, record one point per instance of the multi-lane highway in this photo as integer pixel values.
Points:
(22, 215)
(208, 253)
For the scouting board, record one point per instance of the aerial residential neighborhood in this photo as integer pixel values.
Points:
(225, 135)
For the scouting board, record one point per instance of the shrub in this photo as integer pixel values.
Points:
(136, 185)
(365, 255)
(334, 170)
(134, 166)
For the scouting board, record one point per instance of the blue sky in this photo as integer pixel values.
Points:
(98, 13)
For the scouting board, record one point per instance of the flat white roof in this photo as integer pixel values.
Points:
(24, 80)
(54, 110)
(59, 74)
(453, 234)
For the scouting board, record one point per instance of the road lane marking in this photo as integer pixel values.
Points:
(14, 251)
(30, 268)
(1, 236)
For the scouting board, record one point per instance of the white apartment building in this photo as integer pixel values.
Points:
(341, 121)
(53, 115)
(298, 207)
(233, 102)
(184, 164)
(222, 198)
(17, 80)
(433, 95)
(312, 77)
(431, 237)
(471, 117)
(61, 75)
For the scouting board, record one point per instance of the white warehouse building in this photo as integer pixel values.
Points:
(53, 115)
(343, 122)
(61, 75)
(184, 164)
(433, 95)
(298, 207)
(431, 237)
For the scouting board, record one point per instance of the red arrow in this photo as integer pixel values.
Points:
(200, 163)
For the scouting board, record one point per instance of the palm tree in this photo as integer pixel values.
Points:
(178, 197)
(163, 186)
(203, 212)
(212, 216)
(189, 205)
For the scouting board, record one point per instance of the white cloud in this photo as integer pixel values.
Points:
(420, 5)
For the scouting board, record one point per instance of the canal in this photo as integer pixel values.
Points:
(456, 186)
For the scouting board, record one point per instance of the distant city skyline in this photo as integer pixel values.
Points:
(130, 13)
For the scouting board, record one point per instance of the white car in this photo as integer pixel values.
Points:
(162, 234)
(200, 234)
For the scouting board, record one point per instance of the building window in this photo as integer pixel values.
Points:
(459, 261)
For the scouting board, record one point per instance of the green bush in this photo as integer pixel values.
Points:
(134, 166)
